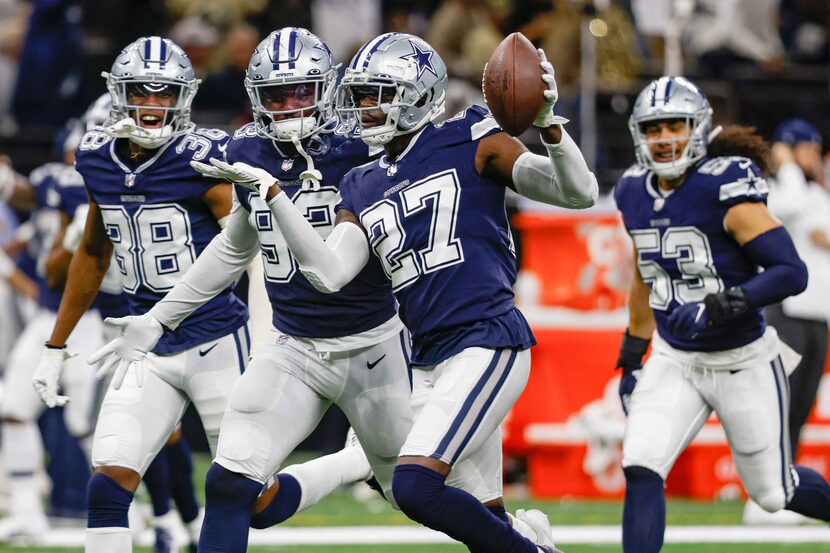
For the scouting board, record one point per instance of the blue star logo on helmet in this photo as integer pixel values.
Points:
(423, 58)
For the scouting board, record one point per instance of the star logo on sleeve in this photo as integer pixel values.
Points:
(423, 59)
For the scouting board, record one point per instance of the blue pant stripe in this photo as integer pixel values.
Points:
(239, 356)
(405, 349)
(247, 339)
(468, 416)
(484, 408)
(784, 442)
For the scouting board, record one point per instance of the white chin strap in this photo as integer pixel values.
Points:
(287, 129)
(146, 138)
(311, 177)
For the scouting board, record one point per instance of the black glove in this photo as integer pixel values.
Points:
(630, 361)
(726, 305)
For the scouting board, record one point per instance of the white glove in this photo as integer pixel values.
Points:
(139, 334)
(47, 374)
(546, 117)
(248, 176)
(75, 230)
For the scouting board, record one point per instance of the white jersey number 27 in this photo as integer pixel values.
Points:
(690, 249)
(437, 193)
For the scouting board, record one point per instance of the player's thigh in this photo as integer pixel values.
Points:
(376, 399)
(752, 405)
(135, 421)
(212, 370)
(666, 413)
(480, 473)
(469, 397)
(78, 377)
(20, 401)
(271, 409)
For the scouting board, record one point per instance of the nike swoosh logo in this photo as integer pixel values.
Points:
(735, 371)
(205, 352)
(371, 366)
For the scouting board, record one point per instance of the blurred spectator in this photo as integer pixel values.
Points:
(344, 25)
(724, 34)
(48, 87)
(197, 37)
(804, 30)
(13, 23)
(800, 199)
(464, 32)
(223, 92)
(222, 13)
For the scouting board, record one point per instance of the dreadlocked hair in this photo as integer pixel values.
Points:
(737, 140)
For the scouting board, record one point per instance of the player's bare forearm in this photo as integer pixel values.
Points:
(640, 316)
(552, 134)
(86, 272)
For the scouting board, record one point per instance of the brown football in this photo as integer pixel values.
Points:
(512, 84)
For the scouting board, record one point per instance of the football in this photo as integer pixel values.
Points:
(512, 84)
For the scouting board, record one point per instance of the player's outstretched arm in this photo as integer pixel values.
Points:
(221, 263)
(86, 271)
(636, 338)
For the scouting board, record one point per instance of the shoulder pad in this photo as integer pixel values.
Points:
(735, 178)
(246, 131)
(93, 140)
(203, 143)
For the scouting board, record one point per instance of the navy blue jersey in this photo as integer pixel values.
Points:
(158, 222)
(299, 309)
(683, 250)
(441, 233)
(71, 196)
(47, 181)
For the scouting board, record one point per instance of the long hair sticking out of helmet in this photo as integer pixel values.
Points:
(671, 98)
(737, 140)
(151, 65)
(406, 79)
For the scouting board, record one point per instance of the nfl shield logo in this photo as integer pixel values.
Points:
(129, 180)
(287, 164)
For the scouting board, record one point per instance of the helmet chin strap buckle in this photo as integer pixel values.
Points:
(311, 178)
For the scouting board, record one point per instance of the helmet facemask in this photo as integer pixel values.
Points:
(694, 149)
(314, 98)
(155, 123)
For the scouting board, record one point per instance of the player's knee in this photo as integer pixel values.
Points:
(224, 487)
(108, 502)
(416, 490)
(772, 500)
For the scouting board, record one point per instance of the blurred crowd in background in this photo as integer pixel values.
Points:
(758, 60)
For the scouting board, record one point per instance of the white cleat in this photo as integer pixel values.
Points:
(755, 515)
(538, 522)
(23, 530)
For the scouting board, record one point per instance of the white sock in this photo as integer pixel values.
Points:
(23, 456)
(108, 540)
(319, 477)
(194, 527)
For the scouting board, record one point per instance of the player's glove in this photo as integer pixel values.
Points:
(630, 360)
(688, 319)
(139, 334)
(546, 117)
(48, 373)
(253, 178)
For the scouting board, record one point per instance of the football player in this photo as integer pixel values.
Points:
(701, 231)
(22, 449)
(158, 215)
(432, 211)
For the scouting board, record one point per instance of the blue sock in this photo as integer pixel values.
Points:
(424, 497)
(812, 496)
(282, 506)
(157, 480)
(108, 503)
(499, 512)
(181, 479)
(229, 498)
(644, 511)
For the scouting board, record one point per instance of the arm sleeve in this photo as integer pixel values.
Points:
(784, 275)
(222, 262)
(327, 264)
(562, 178)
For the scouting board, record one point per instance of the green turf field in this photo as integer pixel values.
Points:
(342, 509)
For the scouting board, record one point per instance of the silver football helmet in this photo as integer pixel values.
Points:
(400, 74)
(293, 69)
(151, 65)
(671, 98)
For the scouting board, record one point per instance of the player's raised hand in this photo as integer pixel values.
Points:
(688, 319)
(138, 335)
(46, 377)
(546, 117)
